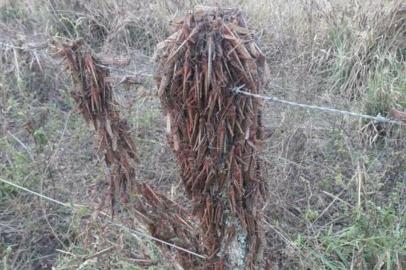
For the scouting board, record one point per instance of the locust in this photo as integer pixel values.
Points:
(218, 133)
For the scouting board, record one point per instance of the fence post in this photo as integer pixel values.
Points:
(214, 132)
(165, 219)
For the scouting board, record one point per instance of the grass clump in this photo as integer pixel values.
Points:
(368, 57)
(374, 240)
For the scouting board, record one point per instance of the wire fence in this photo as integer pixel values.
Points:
(379, 118)
(126, 73)
(133, 232)
(238, 90)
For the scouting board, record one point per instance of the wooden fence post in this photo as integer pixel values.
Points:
(214, 132)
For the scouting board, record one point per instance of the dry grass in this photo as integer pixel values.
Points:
(337, 190)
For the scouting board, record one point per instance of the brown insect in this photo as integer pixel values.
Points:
(218, 133)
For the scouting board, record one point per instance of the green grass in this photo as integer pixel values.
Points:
(386, 86)
(375, 239)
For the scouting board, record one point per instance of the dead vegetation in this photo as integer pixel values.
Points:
(370, 43)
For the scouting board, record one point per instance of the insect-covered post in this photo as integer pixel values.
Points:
(214, 132)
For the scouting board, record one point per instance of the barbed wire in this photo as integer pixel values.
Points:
(125, 73)
(26, 47)
(133, 232)
(379, 118)
(35, 193)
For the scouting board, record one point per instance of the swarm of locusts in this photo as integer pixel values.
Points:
(94, 97)
(214, 132)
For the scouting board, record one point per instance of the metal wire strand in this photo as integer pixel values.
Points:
(133, 232)
(379, 118)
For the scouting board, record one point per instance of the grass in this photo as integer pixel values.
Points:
(374, 240)
(337, 194)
